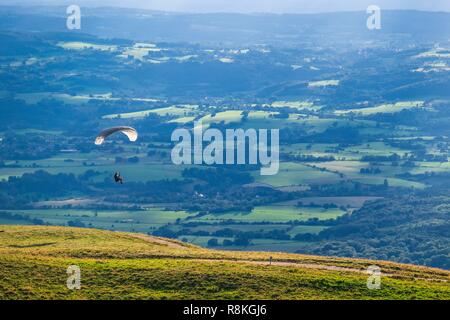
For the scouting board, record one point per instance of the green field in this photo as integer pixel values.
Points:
(119, 220)
(135, 172)
(299, 105)
(297, 174)
(346, 201)
(117, 265)
(78, 45)
(182, 120)
(351, 170)
(384, 108)
(306, 229)
(139, 51)
(276, 214)
(323, 83)
(435, 53)
(350, 153)
(224, 116)
(78, 99)
(180, 111)
(36, 97)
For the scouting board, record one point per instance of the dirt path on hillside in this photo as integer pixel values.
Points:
(315, 266)
(175, 245)
(289, 264)
(152, 239)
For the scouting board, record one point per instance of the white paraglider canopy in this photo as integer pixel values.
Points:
(130, 132)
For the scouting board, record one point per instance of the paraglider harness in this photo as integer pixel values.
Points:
(118, 178)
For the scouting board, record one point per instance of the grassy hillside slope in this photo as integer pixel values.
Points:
(114, 265)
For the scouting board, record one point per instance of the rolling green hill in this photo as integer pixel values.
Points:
(116, 265)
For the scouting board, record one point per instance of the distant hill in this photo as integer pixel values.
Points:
(405, 229)
(231, 28)
(118, 265)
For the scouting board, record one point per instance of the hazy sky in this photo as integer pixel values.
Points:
(273, 6)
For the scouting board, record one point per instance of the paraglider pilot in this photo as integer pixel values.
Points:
(118, 178)
(130, 132)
